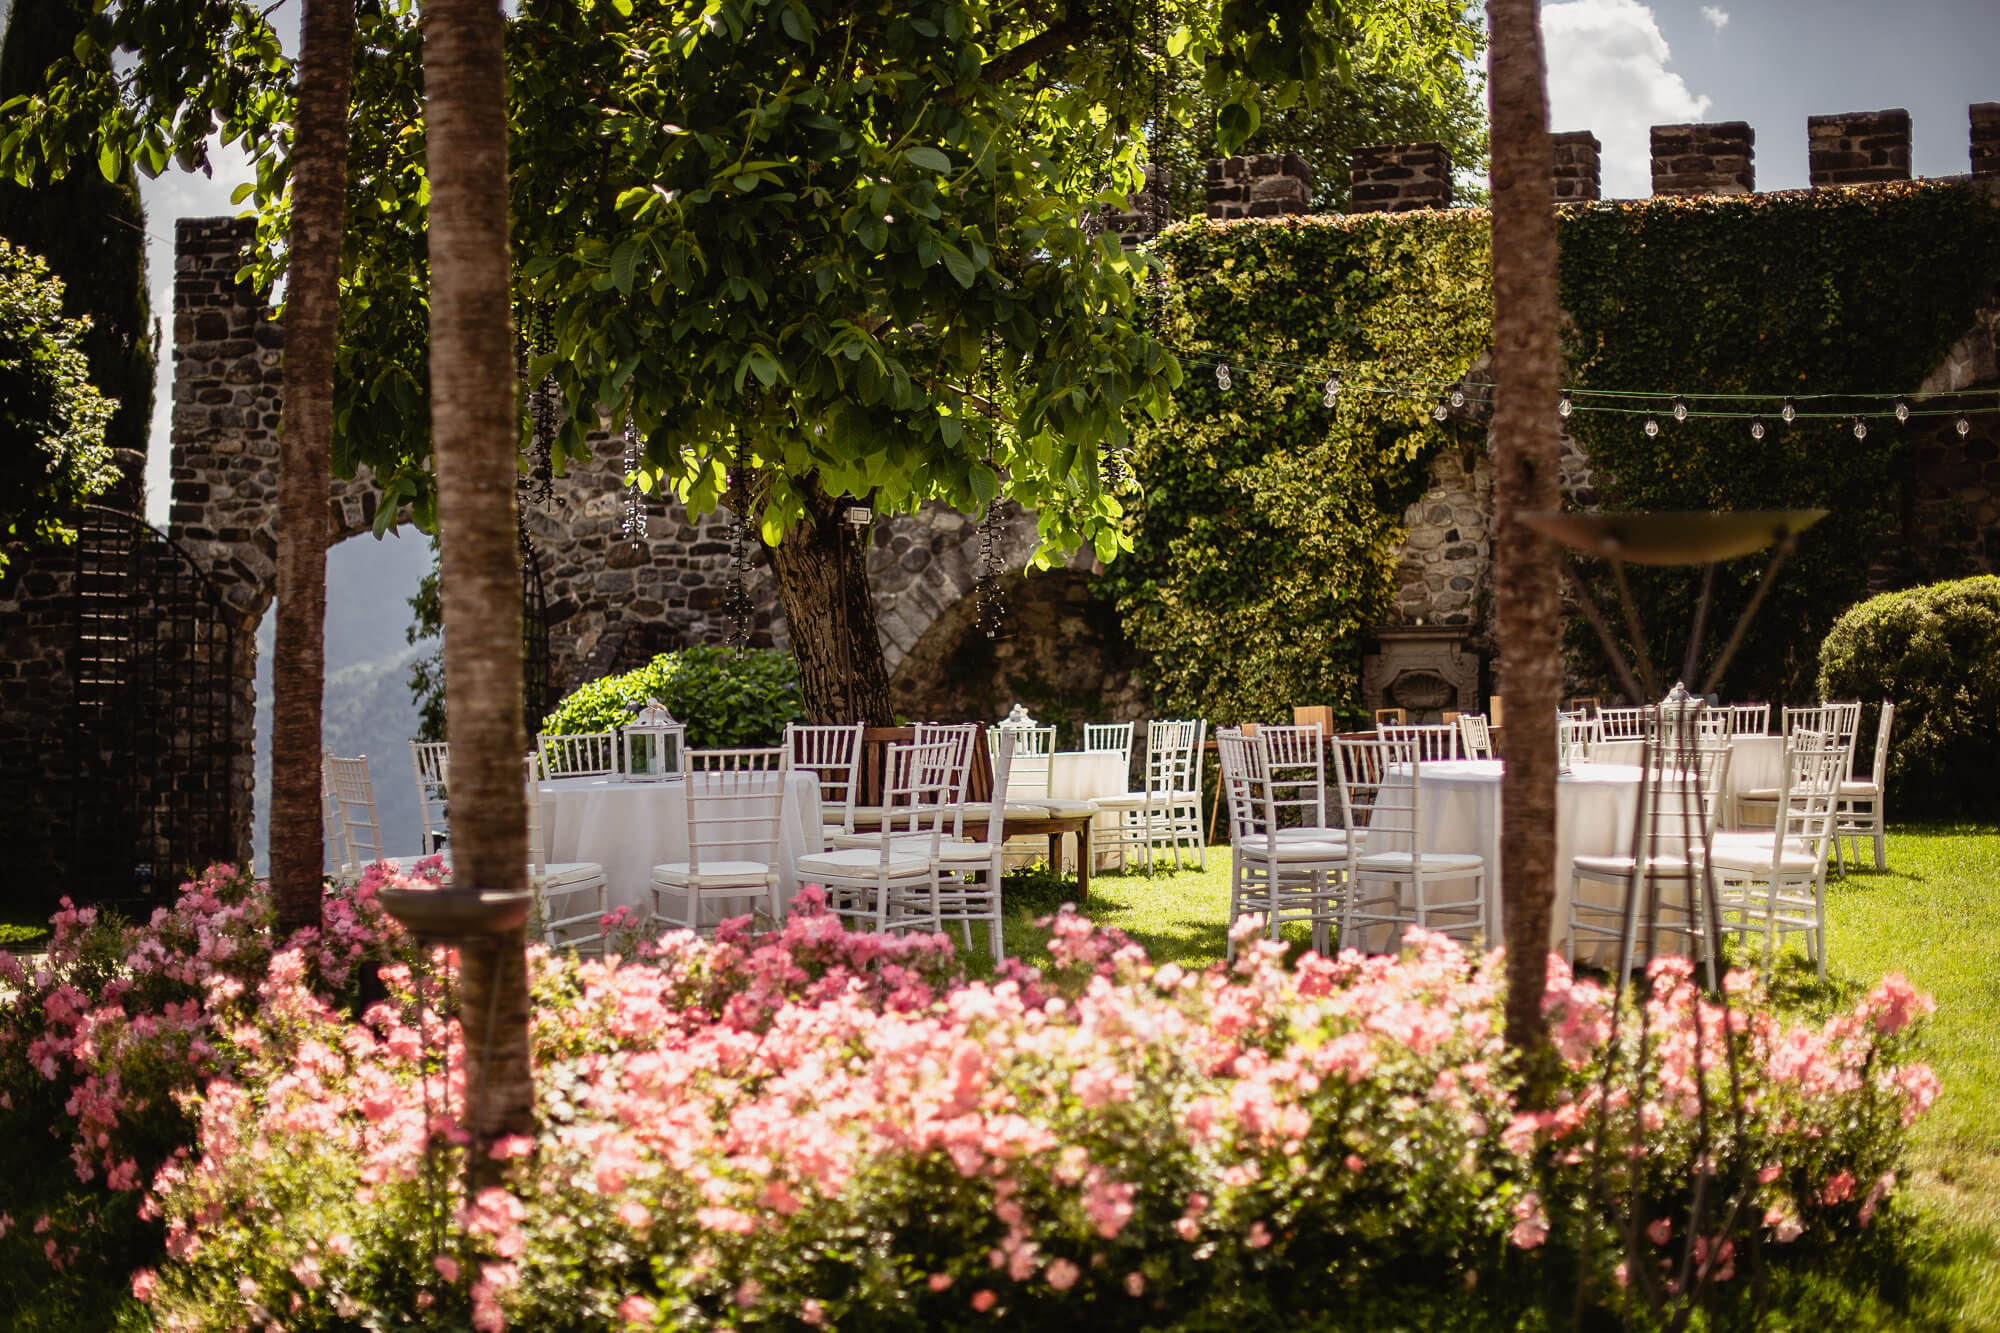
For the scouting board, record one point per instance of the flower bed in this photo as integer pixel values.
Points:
(822, 1128)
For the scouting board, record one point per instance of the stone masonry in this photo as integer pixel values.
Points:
(1145, 214)
(1398, 177)
(1263, 185)
(1579, 167)
(1858, 148)
(1719, 158)
(1985, 141)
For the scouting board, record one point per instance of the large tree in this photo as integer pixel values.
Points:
(1527, 374)
(305, 441)
(473, 419)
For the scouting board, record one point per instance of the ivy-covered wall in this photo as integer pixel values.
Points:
(1266, 539)
(1269, 531)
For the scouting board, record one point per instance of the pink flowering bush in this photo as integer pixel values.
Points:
(817, 1128)
(103, 1041)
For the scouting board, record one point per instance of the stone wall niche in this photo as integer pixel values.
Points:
(1422, 669)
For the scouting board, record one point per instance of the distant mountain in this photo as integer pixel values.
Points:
(366, 708)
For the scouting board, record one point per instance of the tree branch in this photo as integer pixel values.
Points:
(1037, 48)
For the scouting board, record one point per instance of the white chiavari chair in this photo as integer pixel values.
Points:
(893, 884)
(1860, 813)
(1749, 719)
(833, 755)
(431, 761)
(570, 896)
(586, 754)
(1167, 810)
(1475, 737)
(1622, 724)
(1381, 799)
(735, 816)
(1283, 879)
(1842, 721)
(1774, 884)
(1109, 738)
(1433, 742)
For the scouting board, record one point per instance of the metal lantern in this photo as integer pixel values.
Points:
(654, 745)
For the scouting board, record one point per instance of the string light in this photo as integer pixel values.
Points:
(1788, 412)
(1860, 429)
(1332, 390)
(635, 502)
(1564, 407)
(1458, 398)
(1756, 428)
(1652, 425)
(1962, 426)
(1680, 409)
(1440, 412)
(1902, 410)
(1222, 376)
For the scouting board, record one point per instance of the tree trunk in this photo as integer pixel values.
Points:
(305, 439)
(474, 422)
(1527, 373)
(822, 570)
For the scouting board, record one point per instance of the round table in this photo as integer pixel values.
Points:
(1754, 762)
(1085, 775)
(1595, 807)
(629, 827)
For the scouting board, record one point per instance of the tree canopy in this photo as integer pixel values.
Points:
(833, 241)
(52, 450)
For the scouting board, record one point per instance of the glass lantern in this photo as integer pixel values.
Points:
(654, 745)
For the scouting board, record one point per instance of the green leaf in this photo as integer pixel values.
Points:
(961, 267)
(930, 159)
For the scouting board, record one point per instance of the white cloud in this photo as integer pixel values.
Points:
(1718, 18)
(1608, 74)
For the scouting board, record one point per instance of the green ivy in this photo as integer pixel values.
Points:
(1829, 291)
(1266, 541)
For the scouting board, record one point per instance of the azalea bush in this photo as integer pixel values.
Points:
(105, 1041)
(814, 1127)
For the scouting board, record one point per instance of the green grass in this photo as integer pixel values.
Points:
(1934, 916)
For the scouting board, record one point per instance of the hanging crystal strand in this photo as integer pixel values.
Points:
(635, 500)
(736, 600)
(543, 417)
(990, 601)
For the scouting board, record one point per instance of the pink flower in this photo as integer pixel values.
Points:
(1661, 1230)
(144, 1281)
(812, 1312)
(636, 1311)
(984, 1300)
(1062, 1274)
(939, 1281)
(1838, 1189)
(1353, 1162)
(1259, 1235)
(1531, 1224)
(446, 1266)
(1135, 1284)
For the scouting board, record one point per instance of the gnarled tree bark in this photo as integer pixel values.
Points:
(822, 568)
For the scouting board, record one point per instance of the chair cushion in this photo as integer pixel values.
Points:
(1859, 790)
(873, 838)
(853, 862)
(557, 874)
(1297, 849)
(1022, 810)
(965, 853)
(714, 874)
(1434, 863)
(1618, 867)
(1310, 833)
(1797, 860)
(1758, 794)
(1066, 809)
(867, 816)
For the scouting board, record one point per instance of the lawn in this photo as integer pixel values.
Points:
(1934, 916)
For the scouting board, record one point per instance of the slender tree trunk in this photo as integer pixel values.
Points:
(305, 437)
(1527, 372)
(822, 569)
(474, 422)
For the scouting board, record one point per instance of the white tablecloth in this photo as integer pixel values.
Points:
(1754, 761)
(630, 827)
(1083, 775)
(1595, 806)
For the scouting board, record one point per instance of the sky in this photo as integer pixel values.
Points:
(1616, 68)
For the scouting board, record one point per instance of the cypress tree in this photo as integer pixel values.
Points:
(92, 232)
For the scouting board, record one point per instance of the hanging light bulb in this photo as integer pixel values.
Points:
(1222, 376)
(1563, 407)
(1652, 425)
(1962, 425)
(1680, 409)
(1860, 429)
(1332, 390)
(1788, 412)
(1902, 410)
(1458, 398)
(1756, 428)
(1440, 412)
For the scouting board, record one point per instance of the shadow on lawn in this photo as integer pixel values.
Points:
(1192, 932)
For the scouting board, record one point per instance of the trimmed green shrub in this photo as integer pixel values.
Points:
(1936, 652)
(726, 698)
